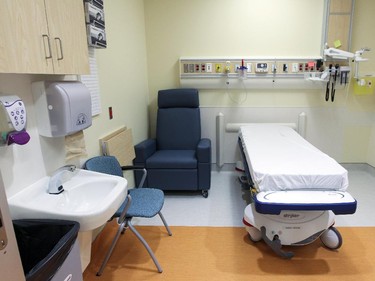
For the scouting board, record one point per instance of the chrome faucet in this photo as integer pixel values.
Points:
(55, 183)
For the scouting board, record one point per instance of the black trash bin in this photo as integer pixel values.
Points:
(44, 245)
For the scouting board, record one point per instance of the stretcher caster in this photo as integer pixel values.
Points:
(331, 238)
(254, 234)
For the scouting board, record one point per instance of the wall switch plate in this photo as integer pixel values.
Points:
(295, 67)
(208, 67)
(249, 67)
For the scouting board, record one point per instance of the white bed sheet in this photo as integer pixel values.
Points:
(280, 159)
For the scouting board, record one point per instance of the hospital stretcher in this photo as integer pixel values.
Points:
(296, 189)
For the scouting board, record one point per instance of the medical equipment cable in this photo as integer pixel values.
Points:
(329, 82)
(333, 91)
(233, 99)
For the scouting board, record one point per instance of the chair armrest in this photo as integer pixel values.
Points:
(204, 151)
(137, 168)
(144, 150)
(134, 168)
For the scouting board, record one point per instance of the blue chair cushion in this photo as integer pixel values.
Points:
(178, 128)
(172, 159)
(104, 164)
(178, 123)
(146, 202)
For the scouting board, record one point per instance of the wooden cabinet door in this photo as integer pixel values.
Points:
(24, 44)
(67, 29)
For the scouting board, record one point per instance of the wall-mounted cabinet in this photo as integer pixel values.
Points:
(43, 36)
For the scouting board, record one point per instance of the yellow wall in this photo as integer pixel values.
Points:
(363, 21)
(122, 68)
(146, 39)
(123, 85)
(176, 28)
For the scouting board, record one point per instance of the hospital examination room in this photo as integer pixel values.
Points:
(187, 140)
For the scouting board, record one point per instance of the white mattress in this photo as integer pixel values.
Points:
(280, 159)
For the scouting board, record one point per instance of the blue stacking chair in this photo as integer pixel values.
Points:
(140, 202)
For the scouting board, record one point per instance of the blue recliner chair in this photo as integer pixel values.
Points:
(178, 158)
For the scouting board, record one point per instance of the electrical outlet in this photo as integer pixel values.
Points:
(218, 68)
(311, 65)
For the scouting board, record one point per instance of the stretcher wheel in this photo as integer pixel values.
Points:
(331, 238)
(254, 234)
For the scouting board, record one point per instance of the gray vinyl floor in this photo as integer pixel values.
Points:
(227, 200)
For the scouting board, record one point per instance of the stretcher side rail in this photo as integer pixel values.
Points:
(273, 202)
(276, 208)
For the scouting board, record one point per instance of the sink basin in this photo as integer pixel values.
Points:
(89, 198)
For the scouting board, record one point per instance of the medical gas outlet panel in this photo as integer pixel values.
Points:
(256, 73)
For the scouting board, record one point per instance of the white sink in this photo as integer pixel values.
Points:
(89, 198)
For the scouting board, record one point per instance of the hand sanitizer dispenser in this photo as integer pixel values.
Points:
(62, 107)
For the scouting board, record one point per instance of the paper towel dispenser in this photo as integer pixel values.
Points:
(62, 107)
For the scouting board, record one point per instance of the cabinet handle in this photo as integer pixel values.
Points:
(49, 46)
(61, 49)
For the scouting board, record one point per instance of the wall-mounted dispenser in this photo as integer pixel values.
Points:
(12, 121)
(62, 107)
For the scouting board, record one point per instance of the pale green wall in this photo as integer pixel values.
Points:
(220, 28)
(176, 28)
(137, 63)
(122, 68)
(123, 82)
(363, 137)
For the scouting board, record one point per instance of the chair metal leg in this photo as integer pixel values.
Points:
(121, 229)
(151, 253)
(165, 224)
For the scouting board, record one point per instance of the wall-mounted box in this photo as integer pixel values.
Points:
(364, 85)
(62, 107)
(96, 36)
(95, 23)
